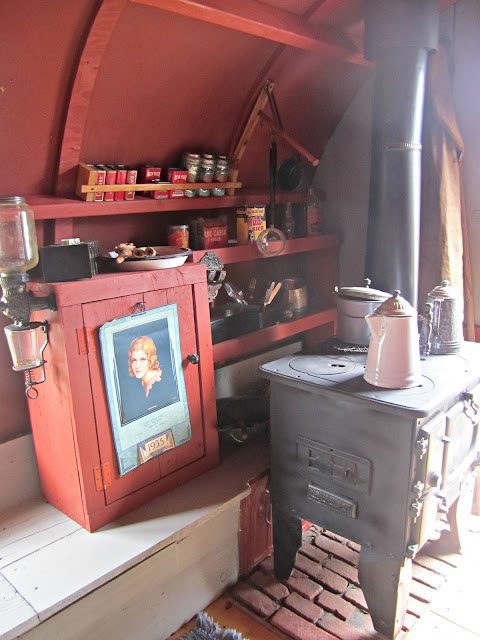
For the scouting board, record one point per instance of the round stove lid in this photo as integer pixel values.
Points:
(363, 293)
(322, 365)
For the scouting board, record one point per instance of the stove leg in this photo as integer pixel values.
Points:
(287, 538)
(385, 582)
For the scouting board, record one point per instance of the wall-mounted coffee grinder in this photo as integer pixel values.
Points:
(18, 254)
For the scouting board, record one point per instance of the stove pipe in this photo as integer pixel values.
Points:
(398, 35)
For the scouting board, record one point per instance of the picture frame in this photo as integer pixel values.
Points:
(145, 386)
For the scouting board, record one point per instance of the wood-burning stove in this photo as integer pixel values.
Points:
(376, 466)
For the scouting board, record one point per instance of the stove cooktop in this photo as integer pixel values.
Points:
(443, 377)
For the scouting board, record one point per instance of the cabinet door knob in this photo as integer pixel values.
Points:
(193, 358)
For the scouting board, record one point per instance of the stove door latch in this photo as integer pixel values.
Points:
(421, 445)
(471, 409)
(417, 504)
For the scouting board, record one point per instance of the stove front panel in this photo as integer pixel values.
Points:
(342, 465)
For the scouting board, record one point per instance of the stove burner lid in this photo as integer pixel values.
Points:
(322, 365)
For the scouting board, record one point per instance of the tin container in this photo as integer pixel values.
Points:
(131, 179)
(101, 174)
(161, 194)
(110, 177)
(177, 235)
(251, 221)
(177, 176)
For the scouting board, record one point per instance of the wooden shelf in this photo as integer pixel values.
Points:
(246, 253)
(261, 339)
(51, 207)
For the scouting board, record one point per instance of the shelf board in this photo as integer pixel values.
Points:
(47, 207)
(246, 253)
(259, 340)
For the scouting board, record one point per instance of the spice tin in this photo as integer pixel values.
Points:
(101, 171)
(176, 176)
(160, 194)
(177, 235)
(131, 179)
(251, 221)
(110, 177)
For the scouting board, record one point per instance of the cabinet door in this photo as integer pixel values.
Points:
(95, 314)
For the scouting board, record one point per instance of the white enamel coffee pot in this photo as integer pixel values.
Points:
(393, 359)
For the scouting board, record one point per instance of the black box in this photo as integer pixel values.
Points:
(63, 262)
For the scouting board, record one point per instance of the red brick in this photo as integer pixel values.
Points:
(337, 549)
(343, 569)
(363, 622)
(300, 583)
(425, 576)
(298, 628)
(267, 565)
(409, 621)
(305, 608)
(325, 577)
(434, 564)
(356, 597)
(335, 536)
(314, 553)
(340, 629)
(416, 607)
(254, 599)
(421, 591)
(335, 604)
(269, 585)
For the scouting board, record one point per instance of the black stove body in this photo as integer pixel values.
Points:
(376, 466)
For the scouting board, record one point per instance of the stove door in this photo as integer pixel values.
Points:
(461, 444)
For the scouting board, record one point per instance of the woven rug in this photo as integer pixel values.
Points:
(207, 629)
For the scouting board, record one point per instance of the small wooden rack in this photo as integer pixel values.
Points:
(87, 184)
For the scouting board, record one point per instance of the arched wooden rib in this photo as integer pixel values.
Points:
(95, 46)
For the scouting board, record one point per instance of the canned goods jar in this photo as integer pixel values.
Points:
(206, 173)
(221, 174)
(251, 221)
(177, 235)
(191, 162)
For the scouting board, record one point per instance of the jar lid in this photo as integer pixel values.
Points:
(444, 290)
(395, 306)
(363, 293)
(13, 200)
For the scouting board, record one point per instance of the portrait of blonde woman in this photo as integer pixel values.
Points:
(143, 363)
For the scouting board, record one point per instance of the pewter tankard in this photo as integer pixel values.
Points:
(446, 332)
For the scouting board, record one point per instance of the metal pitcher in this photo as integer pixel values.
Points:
(442, 329)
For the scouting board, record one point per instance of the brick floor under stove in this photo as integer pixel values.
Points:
(323, 600)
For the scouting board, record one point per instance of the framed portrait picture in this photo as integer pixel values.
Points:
(146, 392)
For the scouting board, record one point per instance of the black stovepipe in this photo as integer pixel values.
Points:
(400, 35)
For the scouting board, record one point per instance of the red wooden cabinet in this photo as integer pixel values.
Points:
(70, 418)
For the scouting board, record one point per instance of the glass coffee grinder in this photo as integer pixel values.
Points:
(18, 254)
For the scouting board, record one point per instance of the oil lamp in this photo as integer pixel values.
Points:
(18, 254)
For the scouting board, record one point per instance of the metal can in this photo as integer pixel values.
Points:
(251, 221)
(177, 235)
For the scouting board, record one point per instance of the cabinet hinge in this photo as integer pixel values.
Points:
(103, 476)
(86, 341)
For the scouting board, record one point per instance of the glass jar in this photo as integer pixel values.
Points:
(18, 239)
(221, 174)
(206, 173)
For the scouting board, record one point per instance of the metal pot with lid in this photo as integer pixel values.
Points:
(353, 304)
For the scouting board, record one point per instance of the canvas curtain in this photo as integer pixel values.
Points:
(441, 244)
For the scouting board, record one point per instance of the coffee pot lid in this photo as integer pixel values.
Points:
(444, 290)
(362, 293)
(395, 306)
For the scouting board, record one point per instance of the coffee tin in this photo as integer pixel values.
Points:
(251, 221)
(177, 235)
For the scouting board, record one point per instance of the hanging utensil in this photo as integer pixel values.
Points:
(271, 241)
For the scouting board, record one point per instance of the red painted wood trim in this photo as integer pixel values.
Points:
(246, 253)
(262, 339)
(115, 285)
(52, 207)
(97, 41)
(259, 19)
